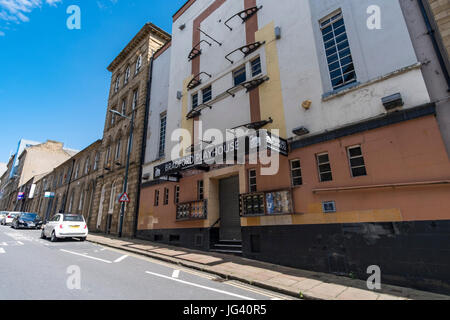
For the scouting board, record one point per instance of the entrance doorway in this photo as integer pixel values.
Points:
(230, 220)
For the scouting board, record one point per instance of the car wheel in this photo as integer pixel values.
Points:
(43, 234)
(83, 239)
(53, 238)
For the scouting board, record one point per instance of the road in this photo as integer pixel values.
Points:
(32, 268)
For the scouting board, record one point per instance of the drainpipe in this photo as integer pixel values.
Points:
(144, 142)
(434, 40)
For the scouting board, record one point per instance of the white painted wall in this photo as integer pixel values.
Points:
(303, 69)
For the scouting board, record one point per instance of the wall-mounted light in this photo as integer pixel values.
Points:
(300, 131)
(146, 176)
(277, 33)
(179, 95)
(392, 101)
(182, 27)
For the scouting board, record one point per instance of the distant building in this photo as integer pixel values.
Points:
(30, 160)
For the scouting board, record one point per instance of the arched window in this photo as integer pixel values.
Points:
(87, 165)
(117, 84)
(81, 203)
(127, 75)
(118, 150)
(112, 199)
(138, 64)
(96, 160)
(71, 202)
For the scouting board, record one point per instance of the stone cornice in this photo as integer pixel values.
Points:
(144, 32)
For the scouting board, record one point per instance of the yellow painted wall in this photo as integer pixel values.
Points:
(270, 93)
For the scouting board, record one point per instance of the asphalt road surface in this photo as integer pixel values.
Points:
(32, 268)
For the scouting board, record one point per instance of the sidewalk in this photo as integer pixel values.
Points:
(289, 281)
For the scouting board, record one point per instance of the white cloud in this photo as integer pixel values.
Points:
(17, 10)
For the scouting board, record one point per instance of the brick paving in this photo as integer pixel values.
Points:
(290, 281)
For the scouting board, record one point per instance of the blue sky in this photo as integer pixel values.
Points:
(53, 81)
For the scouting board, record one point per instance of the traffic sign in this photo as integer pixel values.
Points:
(124, 198)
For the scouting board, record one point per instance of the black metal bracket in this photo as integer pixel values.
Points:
(229, 92)
(255, 83)
(246, 50)
(244, 15)
(220, 44)
(197, 111)
(195, 52)
(196, 81)
(255, 125)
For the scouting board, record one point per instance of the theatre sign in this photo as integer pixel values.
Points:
(230, 152)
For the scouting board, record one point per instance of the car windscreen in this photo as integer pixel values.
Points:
(29, 216)
(73, 218)
(13, 214)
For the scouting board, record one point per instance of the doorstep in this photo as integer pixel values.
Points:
(293, 282)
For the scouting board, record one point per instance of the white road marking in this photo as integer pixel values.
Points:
(200, 286)
(86, 256)
(4, 244)
(176, 274)
(120, 259)
(2, 250)
(21, 243)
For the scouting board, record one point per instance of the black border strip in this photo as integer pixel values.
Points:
(385, 120)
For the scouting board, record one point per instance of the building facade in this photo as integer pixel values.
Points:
(357, 138)
(128, 94)
(30, 161)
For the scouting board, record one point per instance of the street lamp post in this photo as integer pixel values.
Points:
(125, 183)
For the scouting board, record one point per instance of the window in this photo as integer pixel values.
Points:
(328, 207)
(239, 76)
(80, 205)
(87, 165)
(162, 135)
(256, 67)
(207, 94)
(156, 198)
(96, 161)
(118, 149)
(124, 107)
(195, 101)
(135, 99)
(337, 49)
(200, 194)
(252, 180)
(166, 196)
(107, 155)
(112, 198)
(323, 162)
(357, 163)
(177, 194)
(113, 117)
(117, 84)
(77, 170)
(296, 173)
(127, 75)
(138, 64)
(71, 202)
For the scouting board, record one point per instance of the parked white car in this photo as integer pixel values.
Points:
(8, 218)
(64, 225)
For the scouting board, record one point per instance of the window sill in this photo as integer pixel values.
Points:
(338, 92)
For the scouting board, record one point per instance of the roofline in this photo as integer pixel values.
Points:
(183, 8)
(147, 28)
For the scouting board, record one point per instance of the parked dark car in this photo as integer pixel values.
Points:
(27, 221)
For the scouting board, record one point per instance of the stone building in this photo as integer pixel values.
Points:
(34, 160)
(128, 94)
(69, 188)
